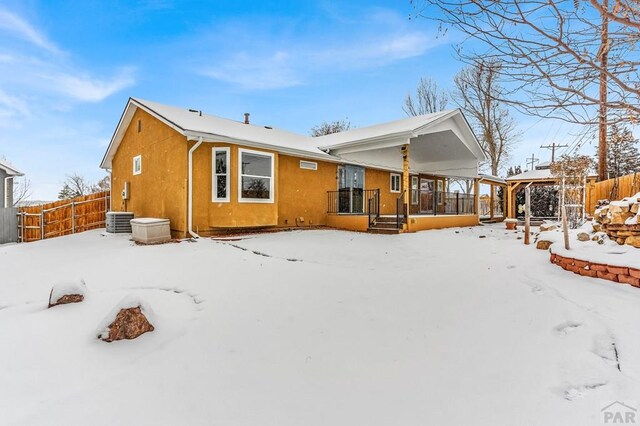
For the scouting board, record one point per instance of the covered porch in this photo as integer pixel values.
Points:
(436, 169)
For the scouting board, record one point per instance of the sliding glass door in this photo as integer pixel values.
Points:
(351, 189)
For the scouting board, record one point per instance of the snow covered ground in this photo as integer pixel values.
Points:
(315, 328)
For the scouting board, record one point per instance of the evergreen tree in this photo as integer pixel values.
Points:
(622, 153)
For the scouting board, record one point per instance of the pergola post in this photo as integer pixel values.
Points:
(491, 194)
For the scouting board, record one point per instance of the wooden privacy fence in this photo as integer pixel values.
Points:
(626, 186)
(63, 217)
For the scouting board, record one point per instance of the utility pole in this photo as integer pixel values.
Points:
(533, 160)
(602, 114)
(553, 148)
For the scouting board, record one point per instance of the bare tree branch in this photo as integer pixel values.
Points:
(429, 98)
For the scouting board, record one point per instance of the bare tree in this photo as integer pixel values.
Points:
(429, 98)
(572, 60)
(75, 186)
(103, 184)
(21, 191)
(478, 93)
(327, 128)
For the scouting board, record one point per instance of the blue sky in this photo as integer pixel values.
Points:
(68, 67)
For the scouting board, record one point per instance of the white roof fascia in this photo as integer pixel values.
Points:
(380, 143)
(368, 141)
(211, 138)
(123, 124)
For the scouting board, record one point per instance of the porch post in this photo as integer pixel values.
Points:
(405, 172)
(476, 196)
(492, 190)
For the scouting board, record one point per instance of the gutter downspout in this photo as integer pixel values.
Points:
(190, 190)
(6, 188)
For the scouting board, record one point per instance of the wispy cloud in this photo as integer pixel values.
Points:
(19, 27)
(89, 89)
(270, 58)
(43, 73)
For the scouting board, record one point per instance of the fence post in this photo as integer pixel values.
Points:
(457, 203)
(73, 217)
(42, 224)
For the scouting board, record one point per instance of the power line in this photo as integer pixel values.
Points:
(553, 148)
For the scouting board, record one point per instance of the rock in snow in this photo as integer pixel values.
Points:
(128, 320)
(67, 292)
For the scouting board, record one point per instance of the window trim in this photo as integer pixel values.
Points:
(138, 172)
(394, 175)
(415, 200)
(242, 199)
(214, 175)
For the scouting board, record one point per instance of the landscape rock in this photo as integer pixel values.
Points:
(543, 244)
(128, 320)
(66, 292)
(633, 241)
(548, 227)
(583, 236)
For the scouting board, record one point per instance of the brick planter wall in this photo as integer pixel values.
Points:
(619, 274)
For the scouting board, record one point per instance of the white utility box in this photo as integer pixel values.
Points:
(149, 230)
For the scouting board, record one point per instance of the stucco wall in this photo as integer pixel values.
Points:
(421, 223)
(303, 193)
(381, 179)
(209, 215)
(161, 189)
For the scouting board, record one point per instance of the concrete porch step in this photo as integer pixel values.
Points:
(385, 225)
(377, 230)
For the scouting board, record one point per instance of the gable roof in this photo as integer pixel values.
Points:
(195, 124)
(404, 127)
(209, 127)
(9, 169)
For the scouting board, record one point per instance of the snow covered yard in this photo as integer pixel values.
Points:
(315, 328)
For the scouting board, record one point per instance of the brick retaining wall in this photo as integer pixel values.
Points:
(617, 274)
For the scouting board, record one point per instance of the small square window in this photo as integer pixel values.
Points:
(395, 182)
(137, 165)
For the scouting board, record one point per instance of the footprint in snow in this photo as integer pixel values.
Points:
(567, 327)
(578, 391)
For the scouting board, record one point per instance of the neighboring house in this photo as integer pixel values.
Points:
(207, 174)
(7, 175)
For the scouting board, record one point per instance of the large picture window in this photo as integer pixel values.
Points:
(220, 183)
(255, 177)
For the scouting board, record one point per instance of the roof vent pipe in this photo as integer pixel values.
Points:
(246, 118)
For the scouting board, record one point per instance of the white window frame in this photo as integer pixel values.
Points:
(308, 165)
(269, 200)
(214, 175)
(391, 177)
(139, 171)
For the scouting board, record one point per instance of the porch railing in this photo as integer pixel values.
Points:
(354, 201)
(401, 210)
(374, 206)
(457, 203)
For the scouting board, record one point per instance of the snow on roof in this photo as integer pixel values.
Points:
(195, 122)
(544, 174)
(491, 178)
(397, 127)
(9, 169)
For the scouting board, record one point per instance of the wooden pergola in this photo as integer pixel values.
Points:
(537, 177)
(494, 182)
